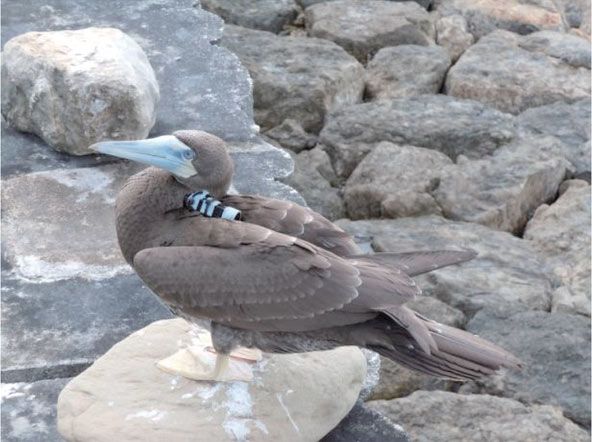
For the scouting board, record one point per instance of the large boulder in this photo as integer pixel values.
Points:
(447, 124)
(375, 191)
(301, 396)
(508, 270)
(405, 71)
(74, 88)
(443, 417)
(561, 232)
(295, 77)
(555, 349)
(362, 27)
(519, 16)
(513, 72)
(503, 190)
(267, 15)
(570, 123)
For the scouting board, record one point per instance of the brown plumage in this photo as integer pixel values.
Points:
(284, 279)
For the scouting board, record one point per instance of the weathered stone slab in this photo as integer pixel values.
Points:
(23, 153)
(29, 412)
(258, 167)
(60, 224)
(56, 329)
(514, 73)
(444, 417)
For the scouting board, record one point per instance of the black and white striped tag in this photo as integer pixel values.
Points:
(209, 206)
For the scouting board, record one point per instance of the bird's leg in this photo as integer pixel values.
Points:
(195, 363)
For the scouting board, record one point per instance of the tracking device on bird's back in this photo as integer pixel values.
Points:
(209, 206)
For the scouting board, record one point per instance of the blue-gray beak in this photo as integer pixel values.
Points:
(165, 152)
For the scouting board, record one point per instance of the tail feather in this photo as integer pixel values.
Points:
(416, 263)
(457, 354)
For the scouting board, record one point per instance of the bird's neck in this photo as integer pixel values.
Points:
(142, 207)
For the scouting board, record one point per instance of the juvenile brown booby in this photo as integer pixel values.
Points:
(284, 279)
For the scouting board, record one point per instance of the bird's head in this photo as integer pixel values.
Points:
(197, 159)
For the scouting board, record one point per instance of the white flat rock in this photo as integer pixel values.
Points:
(124, 396)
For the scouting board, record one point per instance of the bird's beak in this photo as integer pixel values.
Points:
(166, 152)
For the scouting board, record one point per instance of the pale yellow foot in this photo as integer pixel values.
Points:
(202, 363)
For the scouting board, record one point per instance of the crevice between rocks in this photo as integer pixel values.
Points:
(40, 373)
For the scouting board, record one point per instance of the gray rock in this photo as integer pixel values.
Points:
(585, 26)
(570, 49)
(561, 232)
(24, 152)
(28, 411)
(258, 169)
(572, 11)
(298, 78)
(291, 397)
(405, 71)
(519, 16)
(57, 329)
(201, 84)
(362, 27)
(374, 189)
(290, 135)
(306, 3)
(437, 310)
(507, 271)
(449, 125)
(568, 122)
(60, 224)
(555, 349)
(452, 33)
(83, 199)
(312, 176)
(365, 424)
(73, 92)
(443, 417)
(503, 190)
(514, 73)
(267, 15)
(396, 381)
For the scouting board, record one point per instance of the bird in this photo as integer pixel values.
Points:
(276, 276)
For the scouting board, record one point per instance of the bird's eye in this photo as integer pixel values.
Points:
(188, 154)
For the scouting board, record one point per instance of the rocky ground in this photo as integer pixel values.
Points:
(413, 125)
(449, 124)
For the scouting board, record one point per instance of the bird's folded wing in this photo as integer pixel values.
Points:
(250, 283)
(416, 263)
(292, 219)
